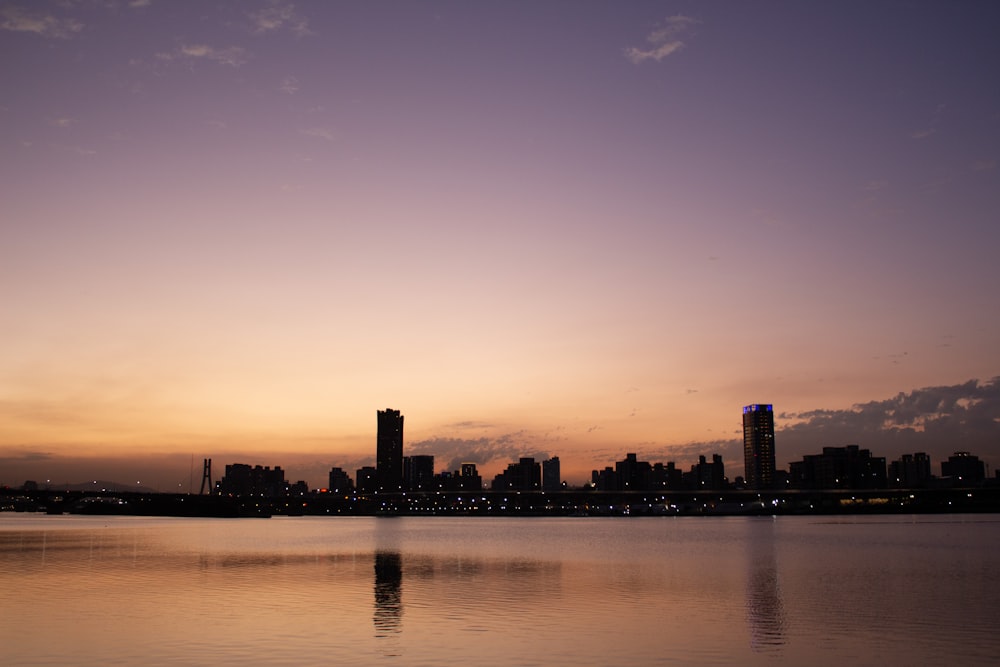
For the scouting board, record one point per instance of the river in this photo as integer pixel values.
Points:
(443, 591)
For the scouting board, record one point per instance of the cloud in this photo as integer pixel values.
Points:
(922, 134)
(64, 121)
(16, 19)
(289, 85)
(936, 420)
(984, 165)
(234, 56)
(140, 3)
(503, 449)
(279, 15)
(24, 456)
(320, 132)
(471, 424)
(875, 186)
(687, 454)
(663, 41)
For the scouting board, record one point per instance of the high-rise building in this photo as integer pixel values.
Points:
(847, 467)
(340, 481)
(469, 478)
(525, 475)
(707, 475)
(964, 469)
(241, 479)
(631, 474)
(366, 479)
(551, 474)
(389, 451)
(758, 446)
(418, 472)
(910, 471)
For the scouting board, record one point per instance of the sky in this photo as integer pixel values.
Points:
(236, 230)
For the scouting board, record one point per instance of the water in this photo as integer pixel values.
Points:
(497, 591)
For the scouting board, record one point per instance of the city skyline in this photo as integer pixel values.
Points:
(395, 470)
(582, 229)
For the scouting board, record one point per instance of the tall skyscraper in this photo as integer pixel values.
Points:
(758, 446)
(389, 451)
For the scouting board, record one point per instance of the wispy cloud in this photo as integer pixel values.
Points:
(502, 449)
(875, 186)
(277, 16)
(233, 56)
(664, 40)
(984, 165)
(25, 455)
(922, 134)
(140, 3)
(289, 85)
(63, 121)
(15, 19)
(319, 132)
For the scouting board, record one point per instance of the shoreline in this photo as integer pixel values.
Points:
(513, 503)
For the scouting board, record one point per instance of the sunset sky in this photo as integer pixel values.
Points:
(238, 229)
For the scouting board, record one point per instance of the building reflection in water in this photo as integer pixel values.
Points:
(388, 593)
(765, 612)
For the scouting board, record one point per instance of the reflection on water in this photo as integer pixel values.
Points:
(765, 614)
(388, 592)
(692, 591)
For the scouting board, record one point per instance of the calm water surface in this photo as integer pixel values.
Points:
(494, 591)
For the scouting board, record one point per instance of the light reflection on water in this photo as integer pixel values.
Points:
(444, 591)
(765, 612)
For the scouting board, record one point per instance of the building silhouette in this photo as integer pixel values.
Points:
(418, 472)
(964, 469)
(709, 476)
(667, 476)
(469, 478)
(758, 446)
(910, 471)
(631, 474)
(389, 451)
(551, 474)
(340, 481)
(245, 480)
(366, 479)
(847, 467)
(525, 475)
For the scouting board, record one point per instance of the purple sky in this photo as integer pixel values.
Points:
(237, 229)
